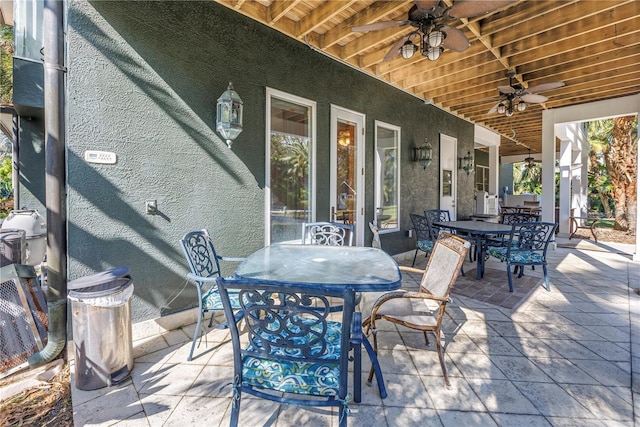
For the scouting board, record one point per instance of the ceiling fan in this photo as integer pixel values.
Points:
(529, 162)
(429, 17)
(515, 96)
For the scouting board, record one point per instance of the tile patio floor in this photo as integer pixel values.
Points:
(569, 357)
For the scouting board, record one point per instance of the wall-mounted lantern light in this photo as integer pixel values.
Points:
(229, 115)
(466, 163)
(423, 154)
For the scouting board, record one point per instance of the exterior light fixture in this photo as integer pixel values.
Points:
(432, 53)
(229, 115)
(344, 138)
(502, 109)
(522, 105)
(435, 38)
(529, 162)
(423, 154)
(408, 49)
(466, 163)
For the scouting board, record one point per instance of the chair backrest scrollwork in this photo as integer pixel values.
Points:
(327, 233)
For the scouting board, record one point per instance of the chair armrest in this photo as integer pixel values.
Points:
(404, 294)
(230, 259)
(201, 279)
(410, 269)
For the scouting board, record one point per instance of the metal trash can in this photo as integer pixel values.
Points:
(101, 321)
(12, 246)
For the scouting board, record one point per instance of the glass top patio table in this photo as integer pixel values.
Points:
(354, 268)
(480, 230)
(360, 269)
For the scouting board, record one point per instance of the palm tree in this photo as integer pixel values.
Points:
(622, 157)
(6, 64)
(599, 132)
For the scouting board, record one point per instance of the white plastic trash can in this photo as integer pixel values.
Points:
(101, 321)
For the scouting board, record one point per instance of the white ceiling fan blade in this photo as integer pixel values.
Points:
(379, 26)
(470, 8)
(533, 98)
(545, 86)
(455, 40)
(506, 89)
(395, 49)
(494, 108)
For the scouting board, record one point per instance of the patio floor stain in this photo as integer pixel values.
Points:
(493, 288)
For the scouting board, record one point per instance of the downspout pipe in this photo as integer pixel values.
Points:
(15, 159)
(55, 182)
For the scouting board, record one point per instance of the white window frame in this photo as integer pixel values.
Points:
(274, 93)
(378, 169)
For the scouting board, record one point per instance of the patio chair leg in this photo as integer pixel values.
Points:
(510, 279)
(375, 368)
(235, 406)
(440, 351)
(546, 277)
(415, 254)
(426, 338)
(196, 334)
(375, 351)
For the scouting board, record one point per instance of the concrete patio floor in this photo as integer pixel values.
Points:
(569, 357)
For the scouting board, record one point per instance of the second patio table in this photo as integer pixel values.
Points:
(479, 230)
(358, 269)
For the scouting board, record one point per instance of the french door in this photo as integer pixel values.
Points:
(347, 170)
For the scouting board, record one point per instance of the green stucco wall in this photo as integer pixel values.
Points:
(143, 80)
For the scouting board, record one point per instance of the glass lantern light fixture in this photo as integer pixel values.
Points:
(466, 163)
(423, 154)
(229, 115)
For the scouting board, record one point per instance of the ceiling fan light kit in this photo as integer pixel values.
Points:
(433, 53)
(408, 49)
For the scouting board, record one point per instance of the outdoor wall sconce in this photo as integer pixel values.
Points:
(423, 154)
(466, 163)
(229, 115)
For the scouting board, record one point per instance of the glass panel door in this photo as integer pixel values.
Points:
(346, 170)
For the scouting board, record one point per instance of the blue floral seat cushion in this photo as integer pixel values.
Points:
(211, 300)
(516, 257)
(425, 245)
(312, 378)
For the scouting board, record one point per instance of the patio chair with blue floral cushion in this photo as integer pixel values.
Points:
(292, 348)
(204, 264)
(443, 215)
(327, 233)
(527, 245)
(425, 235)
(510, 218)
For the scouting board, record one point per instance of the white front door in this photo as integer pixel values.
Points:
(448, 174)
(347, 170)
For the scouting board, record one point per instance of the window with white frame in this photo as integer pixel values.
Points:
(290, 148)
(387, 176)
(482, 178)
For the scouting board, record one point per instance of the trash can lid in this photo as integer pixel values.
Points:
(100, 284)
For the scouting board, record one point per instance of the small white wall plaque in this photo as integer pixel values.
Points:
(103, 157)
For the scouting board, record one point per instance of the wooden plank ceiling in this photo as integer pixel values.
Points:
(591, 46)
